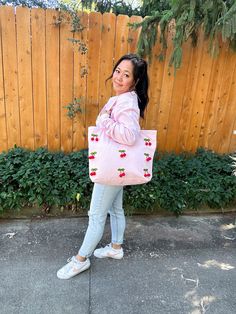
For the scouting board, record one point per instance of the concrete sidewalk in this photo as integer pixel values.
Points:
(171, 265)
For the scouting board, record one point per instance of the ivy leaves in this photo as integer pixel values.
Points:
(179, 182)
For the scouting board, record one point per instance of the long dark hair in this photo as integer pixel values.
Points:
(140, 79)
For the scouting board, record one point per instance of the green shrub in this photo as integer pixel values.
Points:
(43, 178)
(186, 181)
(180, 182)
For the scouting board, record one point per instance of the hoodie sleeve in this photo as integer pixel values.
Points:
(123, 124)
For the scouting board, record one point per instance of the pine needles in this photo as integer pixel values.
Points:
(217, 17)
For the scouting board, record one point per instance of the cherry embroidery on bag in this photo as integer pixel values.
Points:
(92, 155)
(122, 153)
(148, 158)
(93, 172)
(146, 174)
(147, 141)
(94, 137)
(121, 172)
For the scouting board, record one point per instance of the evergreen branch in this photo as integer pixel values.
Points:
(216, 17)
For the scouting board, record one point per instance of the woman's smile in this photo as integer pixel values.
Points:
(123, 79)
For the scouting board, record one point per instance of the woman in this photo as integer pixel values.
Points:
(120, 119)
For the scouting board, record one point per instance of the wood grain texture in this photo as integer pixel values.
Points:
(25, 77)
(42, 72)
(53, 80)
(80, 85)
(93, 79)
(3, 126)
(39, 76)
(66, 82)
(10, 74)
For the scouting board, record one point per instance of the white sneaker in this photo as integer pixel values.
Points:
(73, 268)
(108, 251)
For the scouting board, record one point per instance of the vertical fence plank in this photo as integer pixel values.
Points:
(39, 77)
(3, 127)
(133, 34)
(106, 57)
(179, 87)
(121, 40)
(213, 89)
(166, 96)
(132, 42)
(94, 41)
(200, 96)
(10, 72)
(25, 76)
(230, 112)
(190, 90)
(53, 79)
(155, 73)
(224, 106)
(212, 140)
(80, 85)
(66, 82)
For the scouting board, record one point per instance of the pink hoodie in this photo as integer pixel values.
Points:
(122, 125)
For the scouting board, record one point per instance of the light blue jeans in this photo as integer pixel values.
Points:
(105, 199)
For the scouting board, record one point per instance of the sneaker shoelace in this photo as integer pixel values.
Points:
(73, 260)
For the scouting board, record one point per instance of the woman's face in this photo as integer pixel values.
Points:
(123, 79)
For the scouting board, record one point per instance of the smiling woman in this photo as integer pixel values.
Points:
(118, 124)
(123, 79)
(130, 74)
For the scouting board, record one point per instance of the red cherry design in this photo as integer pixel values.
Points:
(122, 154)
(121, 174)
(96, 139)
(148, 158)
(149, 143)
(146, 144)
(92, 138)
(91, 157)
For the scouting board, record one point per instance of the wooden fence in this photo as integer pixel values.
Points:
(41, 72)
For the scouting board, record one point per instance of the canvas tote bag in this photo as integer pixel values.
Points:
(112, 163)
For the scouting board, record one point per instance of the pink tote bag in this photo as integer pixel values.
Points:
(112, 163)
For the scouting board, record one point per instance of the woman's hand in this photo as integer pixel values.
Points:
(106, 113)
(103, 116)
